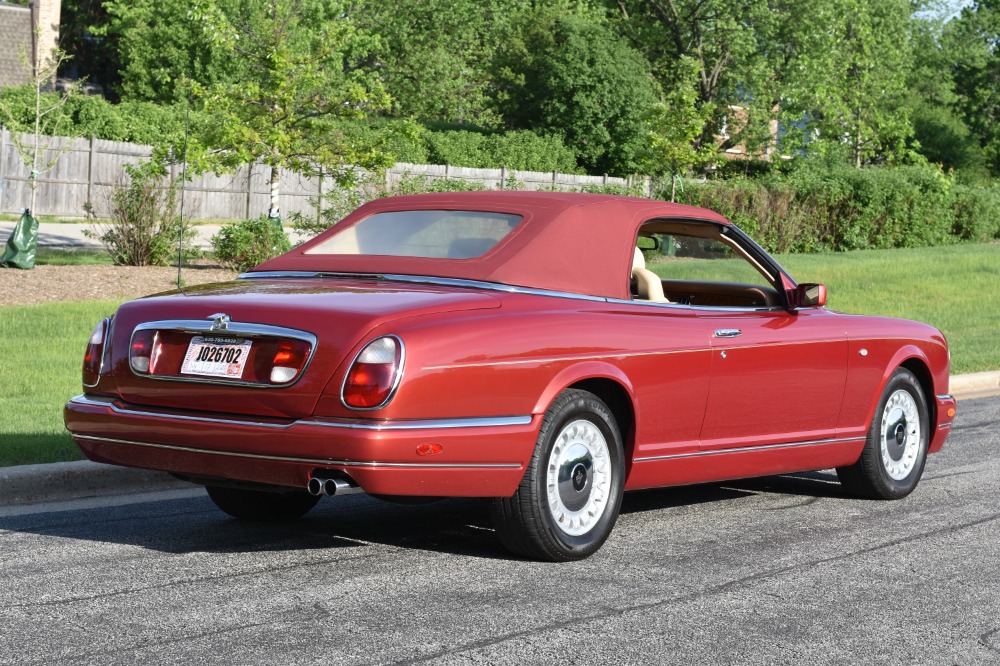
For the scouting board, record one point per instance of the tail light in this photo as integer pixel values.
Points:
(93, 359)
(260, 360)
(145, 351)
(289, 359)
(374, 375)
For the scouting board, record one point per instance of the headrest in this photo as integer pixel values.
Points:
(638, 261)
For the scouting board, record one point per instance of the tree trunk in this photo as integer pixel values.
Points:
(274, 210)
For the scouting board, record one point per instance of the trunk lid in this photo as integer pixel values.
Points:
(334, 316)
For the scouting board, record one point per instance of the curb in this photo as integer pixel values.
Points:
(32, 484)
(975, 384)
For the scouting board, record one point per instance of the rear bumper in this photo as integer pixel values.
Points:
(480, 457)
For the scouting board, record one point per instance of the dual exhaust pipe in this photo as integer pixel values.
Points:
(322, 484)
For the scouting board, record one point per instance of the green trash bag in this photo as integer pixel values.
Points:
(22, 244)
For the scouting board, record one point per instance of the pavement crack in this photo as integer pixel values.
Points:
(985, 639)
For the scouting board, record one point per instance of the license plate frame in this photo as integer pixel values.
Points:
(217, 357)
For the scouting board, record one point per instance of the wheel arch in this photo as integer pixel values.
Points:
(922, 372)
(913, 359)
(609, 384)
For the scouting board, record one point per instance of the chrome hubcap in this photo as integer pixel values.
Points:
(578, 477)
(900, 437)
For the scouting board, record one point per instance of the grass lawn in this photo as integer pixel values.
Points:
(955, 288)
(42, 350)
(52, 257)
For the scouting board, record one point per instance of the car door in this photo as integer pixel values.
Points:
(776, 377)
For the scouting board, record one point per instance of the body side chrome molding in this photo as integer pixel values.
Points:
(309, 461)
(422, 424)
(748, 449)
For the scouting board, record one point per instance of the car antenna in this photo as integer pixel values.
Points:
(180, 230)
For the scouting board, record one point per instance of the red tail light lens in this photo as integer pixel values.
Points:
(375, 374)
(94, 356)
(144, 352)
(289, 359)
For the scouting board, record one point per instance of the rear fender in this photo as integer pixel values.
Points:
(580, 372)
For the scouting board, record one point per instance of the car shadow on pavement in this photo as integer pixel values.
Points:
(356, 522)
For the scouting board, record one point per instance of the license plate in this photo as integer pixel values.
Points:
(216, 357)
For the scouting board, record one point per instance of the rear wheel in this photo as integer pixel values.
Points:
(893, 458)
(571, 493)
(261, 506)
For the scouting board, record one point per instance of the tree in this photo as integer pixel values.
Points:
(847, 84)
(161, 44)
(971, 43)
(92, 56)
(732, 46)
(573, 77)
(434, 55)
(46, 121)
(940, 132)
(295, 76)
(675, 125)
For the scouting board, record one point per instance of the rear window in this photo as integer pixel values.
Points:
(434, 234)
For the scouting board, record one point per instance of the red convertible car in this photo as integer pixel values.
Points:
(514, 346)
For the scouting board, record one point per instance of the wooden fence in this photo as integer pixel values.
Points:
(88, 169)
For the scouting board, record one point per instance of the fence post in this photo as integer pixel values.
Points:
(246, 216)
(503, 177)
(3, 161)
(90, 174)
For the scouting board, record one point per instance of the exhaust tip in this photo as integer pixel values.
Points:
(315, 487)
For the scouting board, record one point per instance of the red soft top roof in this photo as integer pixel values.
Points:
(570, 242)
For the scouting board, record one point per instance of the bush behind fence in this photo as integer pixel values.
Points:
(843, 208)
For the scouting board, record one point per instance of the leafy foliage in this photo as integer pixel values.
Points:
(434, 55)
(144, 225)
(565, 75)
(836, 207)
(247, 243)
(294, 77)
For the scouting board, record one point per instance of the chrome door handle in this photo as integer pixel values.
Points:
(727, 332)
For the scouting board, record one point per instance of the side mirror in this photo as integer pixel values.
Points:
(810, 295)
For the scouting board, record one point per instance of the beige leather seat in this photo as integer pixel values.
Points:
(649, 286)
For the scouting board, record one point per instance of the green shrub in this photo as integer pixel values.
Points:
(245, 244)
(817, 207)
(144, 224)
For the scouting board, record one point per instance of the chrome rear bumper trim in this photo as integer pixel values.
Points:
(417, 424)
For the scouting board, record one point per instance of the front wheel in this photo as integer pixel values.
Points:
(896, 448)
(571, 493)
(260, 505)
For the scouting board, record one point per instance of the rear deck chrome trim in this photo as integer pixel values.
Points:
(348, 424)
(309, 461)
(748, 449)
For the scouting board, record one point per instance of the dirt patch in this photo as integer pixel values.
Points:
(50, 284)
